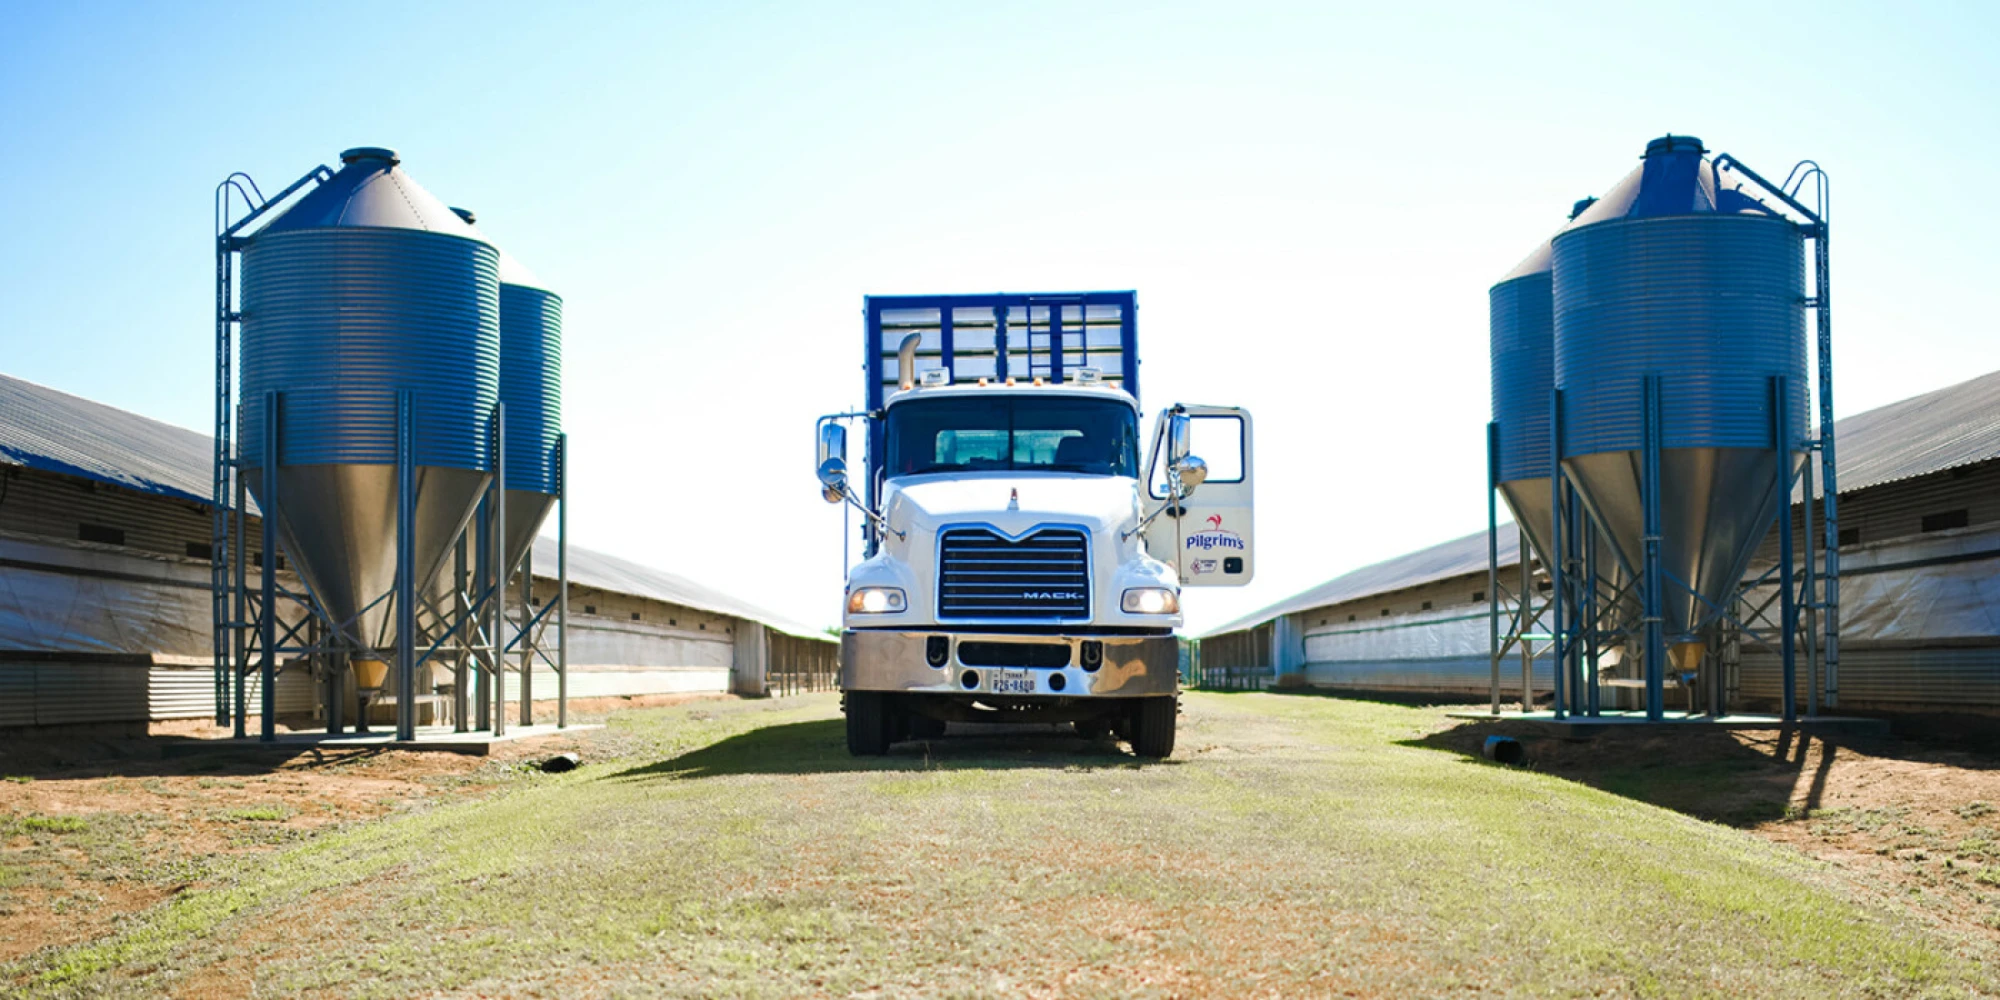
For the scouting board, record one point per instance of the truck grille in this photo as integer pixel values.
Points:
(983, 575)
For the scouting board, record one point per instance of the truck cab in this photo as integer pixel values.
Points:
(1027, 535)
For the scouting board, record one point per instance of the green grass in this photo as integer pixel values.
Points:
(1292, 847)
(53, 824)
(259, 814)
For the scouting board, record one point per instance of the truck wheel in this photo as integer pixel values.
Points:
(1151, 726)
(867, 723)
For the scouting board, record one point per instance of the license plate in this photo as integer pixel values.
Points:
(1010, 682)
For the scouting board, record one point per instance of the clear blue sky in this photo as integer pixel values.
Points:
(1310, 200)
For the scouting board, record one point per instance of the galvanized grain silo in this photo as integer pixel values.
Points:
(366, 295)
(1679, 311)
(531, 388)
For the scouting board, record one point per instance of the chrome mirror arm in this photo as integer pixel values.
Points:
(1173, 502)
(878, 520)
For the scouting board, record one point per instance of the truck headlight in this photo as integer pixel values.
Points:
(875, 601)
(1151, 601)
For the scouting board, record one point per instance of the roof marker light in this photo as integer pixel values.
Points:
(982, 381)
(1038, 380)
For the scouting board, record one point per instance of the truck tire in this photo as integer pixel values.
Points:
(1151, 726)
(868, 723)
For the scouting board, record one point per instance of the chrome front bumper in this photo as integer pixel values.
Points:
(1133, 666)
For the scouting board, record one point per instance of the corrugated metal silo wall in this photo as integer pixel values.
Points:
(1645, 296)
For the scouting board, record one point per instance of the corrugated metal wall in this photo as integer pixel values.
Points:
(1238, 661)
(44, 504)
(1895, 511)
(615, 682)
(51, 693)
(1444, 652)
(1457, 676)
(79, 653)
(1889, 680)
(798, 665)
(1936, 593)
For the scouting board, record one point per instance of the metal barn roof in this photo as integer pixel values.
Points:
(1439, 562)
(591, 568)
(41, 428)
(1954, 426)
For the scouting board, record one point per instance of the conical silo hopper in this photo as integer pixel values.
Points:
(366, 289)
(531, 388)
(1678, 275)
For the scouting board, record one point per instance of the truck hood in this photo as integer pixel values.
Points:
(925, 503)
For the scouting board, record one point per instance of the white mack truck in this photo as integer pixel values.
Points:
(1026, 545)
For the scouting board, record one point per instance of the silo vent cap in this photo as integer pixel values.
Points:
(1671, 143)
(370, 153)
(1582, 205)
(470, 217)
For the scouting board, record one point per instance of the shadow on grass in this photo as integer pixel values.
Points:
(82, 754)
(820, 747)
(1739, 779)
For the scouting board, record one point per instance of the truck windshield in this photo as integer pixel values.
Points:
(1087, 436)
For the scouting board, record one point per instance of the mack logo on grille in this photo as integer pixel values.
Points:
(1041, 576)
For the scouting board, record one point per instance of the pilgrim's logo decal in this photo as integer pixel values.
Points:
(1213, 537)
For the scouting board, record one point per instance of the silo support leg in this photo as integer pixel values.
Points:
(1788, 613)
(406, 574)
(267, 698)
(497, 537)
(1656, 645)
(562, 581)
(528, 643)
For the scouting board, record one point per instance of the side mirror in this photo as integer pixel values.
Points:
(833, 479)
(832, 461)
(1180, 432)
(832, 442)
(1192, 472)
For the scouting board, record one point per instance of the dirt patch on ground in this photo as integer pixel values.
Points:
(97, 823)
(1918, 817)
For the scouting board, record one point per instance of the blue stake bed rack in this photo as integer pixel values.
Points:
(1023, 336)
